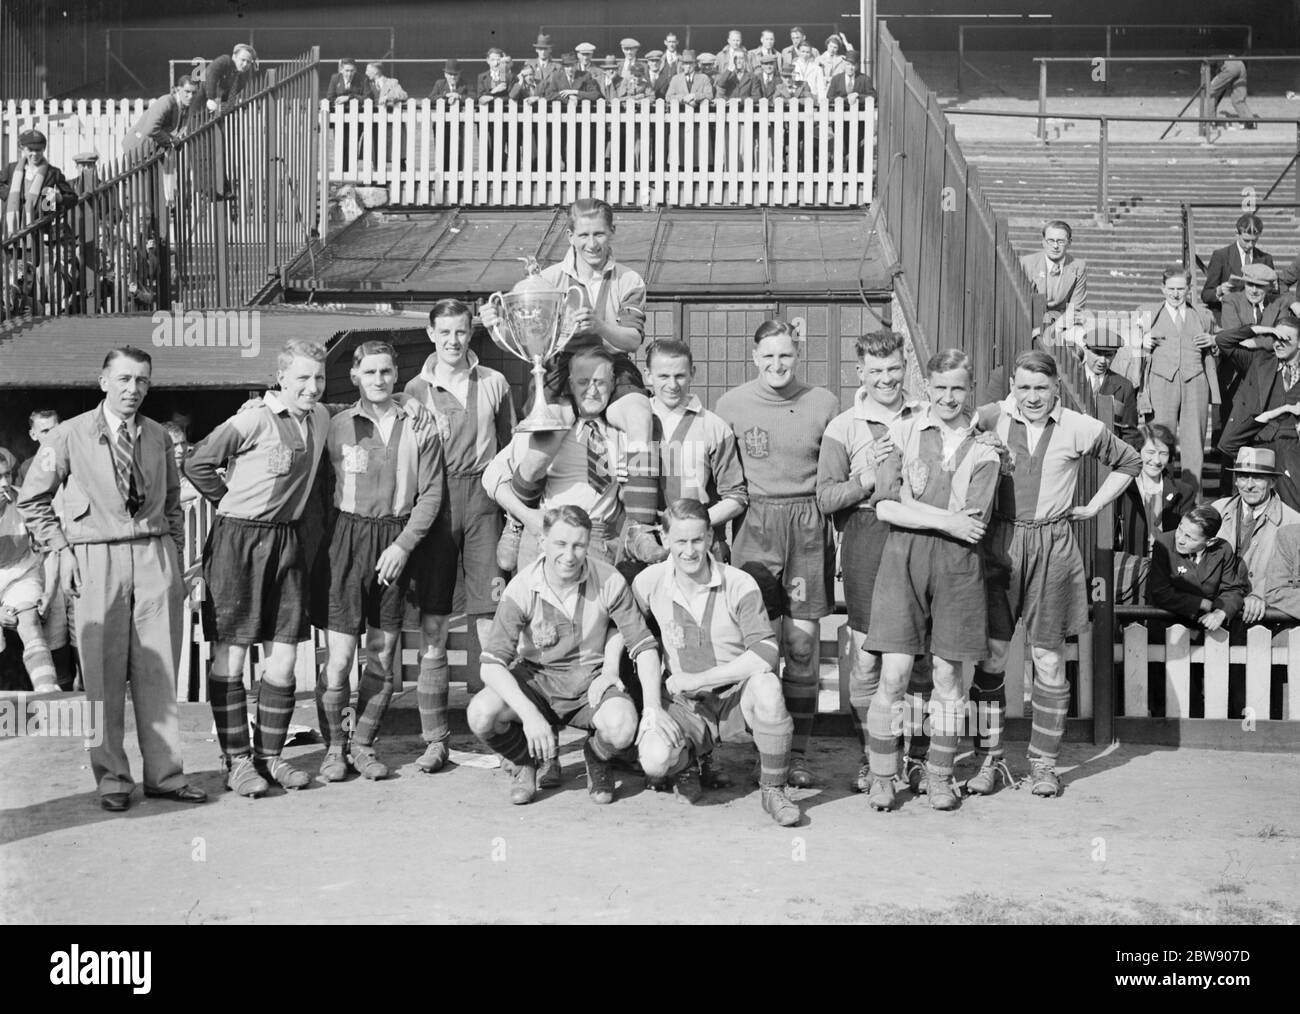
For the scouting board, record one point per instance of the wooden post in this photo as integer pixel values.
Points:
(1105, 67)
(1103, 611)
(961, 55)
(1103, 173)
(317, 164)
(220, 209)
(1042, 100)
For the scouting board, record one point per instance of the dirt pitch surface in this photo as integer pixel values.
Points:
(1140, 835)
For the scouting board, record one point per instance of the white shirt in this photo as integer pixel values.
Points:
(116, 422)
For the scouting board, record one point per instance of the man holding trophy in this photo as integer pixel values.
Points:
(609, 317)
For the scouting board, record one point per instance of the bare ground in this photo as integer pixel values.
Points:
(1140, 835)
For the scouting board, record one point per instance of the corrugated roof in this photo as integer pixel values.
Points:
(66, 352)
(719, 253)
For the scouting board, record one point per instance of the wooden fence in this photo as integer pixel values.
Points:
(633, 152)
(86, 125)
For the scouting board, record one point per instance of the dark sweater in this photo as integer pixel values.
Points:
(779, 434)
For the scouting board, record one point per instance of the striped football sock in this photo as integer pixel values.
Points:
(640, 494)
(883, 721)
(373, 695)
(330, 703)
(1050, 707)
(945, 734)
(431, 692)
(230, 714)
(510, 744)
(773, 742)
(274, 709)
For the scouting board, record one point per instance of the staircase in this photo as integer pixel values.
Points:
(1029, 184)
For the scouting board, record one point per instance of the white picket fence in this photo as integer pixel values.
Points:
(1263, 649)
(97, 125)
(632, 152)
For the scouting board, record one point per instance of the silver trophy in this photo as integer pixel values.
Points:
(534, 321)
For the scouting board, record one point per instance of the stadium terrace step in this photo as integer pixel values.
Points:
(1029, 184)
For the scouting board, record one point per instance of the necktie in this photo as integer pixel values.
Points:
(1245, 530)
(127, 469)
(1290, 373)
(1258, 315)
(597, 467)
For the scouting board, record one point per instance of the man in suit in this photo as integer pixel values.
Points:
(1257, 303)
(226, 76)
(658, 76)
(849, 84)
(1172, 378)
(1105, 381)
(689, 86)
(119, 552)
(672, 55)
(1252, 518)
(585, 52)
(1062, 279)
(544, 68)
(347, 84)
(767, 83)
(1267, 404)
(495, 82)
(766, 47)
(1229, 260)
(571, 83)
(630, 49)
(452, 87)
(733, 82)
(161, 124)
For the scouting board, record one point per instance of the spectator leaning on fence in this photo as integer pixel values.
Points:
(385, 90)
(658, 76)
(163, 122)
(495, 82)
(1252, 518)
(347, 84)
(1195, 575)
(689, 85)
(226, 76)
(452, 87)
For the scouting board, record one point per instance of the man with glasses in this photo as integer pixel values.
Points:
(1228, 261)
(1267, 407)
(1062, 279)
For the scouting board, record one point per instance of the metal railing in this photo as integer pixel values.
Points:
(1188, 215)
(206, 223)
(1207, 116)
(1110, 31)
(1103, 144)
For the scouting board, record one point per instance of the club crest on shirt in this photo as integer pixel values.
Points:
(757, 443)
(279, 460)
(918, 475)
(356, 459)
(674, 636)
(545, 633)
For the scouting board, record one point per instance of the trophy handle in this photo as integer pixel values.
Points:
(566, 315)
(500, 332)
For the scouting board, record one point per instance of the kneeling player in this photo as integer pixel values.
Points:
(386, 489)
(722, 654)
(544, 662)
(24, 583)
(936, 491)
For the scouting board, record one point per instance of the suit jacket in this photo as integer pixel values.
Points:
(157, 127)
(1177, 497)
(839, 89)
(1225, 262)
(1126, 413)
(587, 87)
(730, 85)
(1264, 530)
(464, 92)
(1258, 369)
(553, 69)
(1282, 575)
(222, 80)
(756, 58)
(1237, 310)
(484, 87)
(1178, 583)
(700, 86)
(359, 88)
(756, 88)
(659, 85)
(1070, 287)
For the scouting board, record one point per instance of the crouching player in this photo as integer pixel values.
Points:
(385, 481)
(722, 655)
(936, 492)
(544, 663)
(25, 580)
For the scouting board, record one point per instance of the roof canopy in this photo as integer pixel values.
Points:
(721, 254)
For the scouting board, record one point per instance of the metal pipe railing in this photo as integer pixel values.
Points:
(1103, 151)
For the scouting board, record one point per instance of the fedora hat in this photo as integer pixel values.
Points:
(1255, 461)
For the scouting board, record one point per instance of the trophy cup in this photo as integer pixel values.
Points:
(534, 321)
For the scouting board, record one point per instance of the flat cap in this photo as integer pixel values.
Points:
(630, 44)
(584, 47)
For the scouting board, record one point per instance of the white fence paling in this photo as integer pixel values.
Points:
(631, 152)
(1263, 649)
(71, 127)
